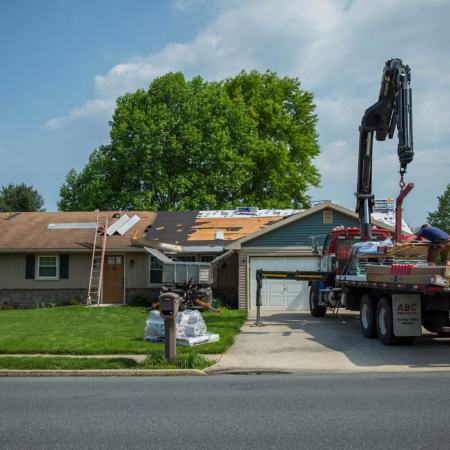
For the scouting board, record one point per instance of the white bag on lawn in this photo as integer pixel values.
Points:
(154, 325)
(191, 328)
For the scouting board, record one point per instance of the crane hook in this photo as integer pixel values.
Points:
(402, 183)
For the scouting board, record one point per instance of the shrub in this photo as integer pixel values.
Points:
(140, 300)
(74, 302)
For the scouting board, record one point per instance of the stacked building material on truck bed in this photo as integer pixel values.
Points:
(409, 274)
(406, 250)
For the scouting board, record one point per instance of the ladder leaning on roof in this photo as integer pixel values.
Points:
(95, 289)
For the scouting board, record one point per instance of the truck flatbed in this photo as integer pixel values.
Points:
(361, 281)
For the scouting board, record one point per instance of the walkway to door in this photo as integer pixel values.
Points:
(297, 342)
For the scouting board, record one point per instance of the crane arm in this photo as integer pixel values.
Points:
(392, 110)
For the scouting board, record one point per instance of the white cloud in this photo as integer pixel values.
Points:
(97, 108)
(338, 49)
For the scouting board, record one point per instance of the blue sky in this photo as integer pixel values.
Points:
(65, 62)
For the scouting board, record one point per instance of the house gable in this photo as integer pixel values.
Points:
(297, 233)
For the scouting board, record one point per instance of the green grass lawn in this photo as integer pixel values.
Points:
(156, 360)
(64, 363)
(86, 331)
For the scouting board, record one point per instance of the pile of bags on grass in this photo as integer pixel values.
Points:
(190, 326)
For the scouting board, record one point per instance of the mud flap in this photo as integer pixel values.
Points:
(406, 314)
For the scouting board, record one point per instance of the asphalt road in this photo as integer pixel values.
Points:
(228, 411)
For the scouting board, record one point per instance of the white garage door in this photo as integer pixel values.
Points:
(281, 294)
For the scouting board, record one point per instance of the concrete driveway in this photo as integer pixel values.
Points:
(297, 342)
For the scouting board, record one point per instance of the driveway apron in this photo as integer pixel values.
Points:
(296, 342)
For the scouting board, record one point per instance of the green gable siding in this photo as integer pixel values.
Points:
(297, 233)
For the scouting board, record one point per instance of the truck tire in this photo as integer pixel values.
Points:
(434, 321)
(367, 317)
(385, 326)
(314, 307)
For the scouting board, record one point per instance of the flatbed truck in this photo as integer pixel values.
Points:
(393, 310)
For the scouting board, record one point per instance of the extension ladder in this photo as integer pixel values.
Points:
(95, 293)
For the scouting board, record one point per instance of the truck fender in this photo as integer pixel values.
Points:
(317, 285)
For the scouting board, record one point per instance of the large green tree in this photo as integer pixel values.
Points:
(286, 143)
(441, 217)
(249, 140)
(20, 197)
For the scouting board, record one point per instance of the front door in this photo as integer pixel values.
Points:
(113, 279)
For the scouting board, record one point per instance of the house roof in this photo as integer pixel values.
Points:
(184, 228)
(28, 230)
(301, 215)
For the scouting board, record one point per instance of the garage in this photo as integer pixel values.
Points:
(285, 295)
(286, 245)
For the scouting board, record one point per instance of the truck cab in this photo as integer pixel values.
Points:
(338, 244)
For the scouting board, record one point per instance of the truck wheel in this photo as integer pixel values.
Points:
(434, 321)
(385, 326)
(314, 307)
(367, 317)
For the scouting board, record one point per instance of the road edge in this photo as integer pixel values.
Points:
(103, 373)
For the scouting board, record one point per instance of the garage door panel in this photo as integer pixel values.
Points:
(273, 301)
(295, 287)
(292, 301)
(275, 288)
(281, 294)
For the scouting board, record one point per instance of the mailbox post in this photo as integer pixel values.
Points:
(169, 303)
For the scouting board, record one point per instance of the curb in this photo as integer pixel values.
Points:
(103, 373)
(374, 371)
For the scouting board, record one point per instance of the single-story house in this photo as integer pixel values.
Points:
(46, 257)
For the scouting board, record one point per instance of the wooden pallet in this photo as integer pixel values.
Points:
(408, 250)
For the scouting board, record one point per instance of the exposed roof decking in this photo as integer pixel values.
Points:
(186, 229)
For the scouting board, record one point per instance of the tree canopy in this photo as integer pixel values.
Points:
(248, 140)
(441, 217)
(20, 197)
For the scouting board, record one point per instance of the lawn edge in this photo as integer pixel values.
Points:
(102, 373)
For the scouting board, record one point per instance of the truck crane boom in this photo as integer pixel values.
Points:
(392, 110)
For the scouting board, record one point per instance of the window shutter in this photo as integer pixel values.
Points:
(30, 267)
(64, 266)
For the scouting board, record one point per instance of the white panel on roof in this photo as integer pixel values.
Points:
(158, 255)
(117, 224)
(236, 213)
(129, 224)
(70, 226)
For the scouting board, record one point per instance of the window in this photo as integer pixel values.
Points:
(207, 258)
(156, 269)
(191, 258)
(114, 260)
(327, 216)
(47, 268)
